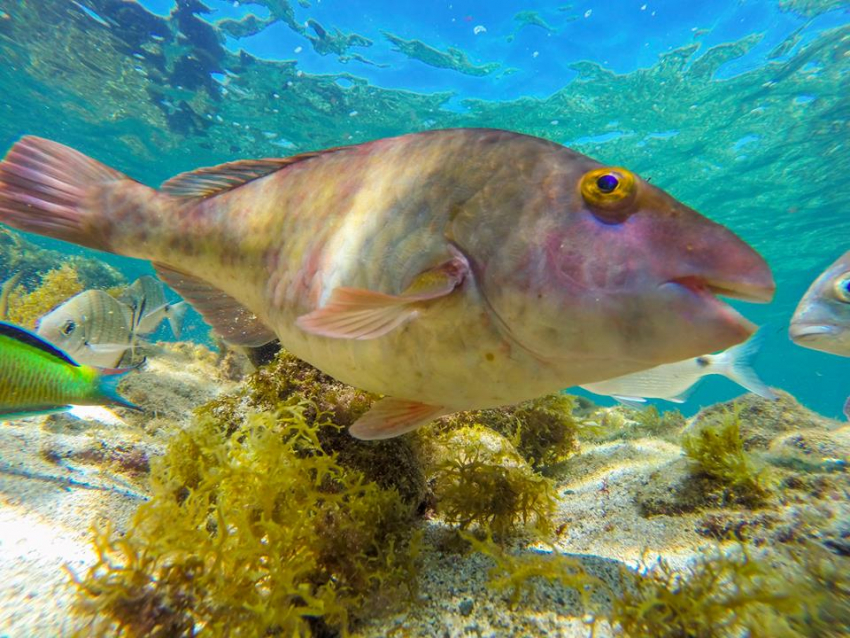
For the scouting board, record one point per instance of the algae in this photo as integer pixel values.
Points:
(58, 285)
(249, 532)
(717, 451)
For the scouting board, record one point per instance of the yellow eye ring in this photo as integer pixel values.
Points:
(842, 288)
(609, 188)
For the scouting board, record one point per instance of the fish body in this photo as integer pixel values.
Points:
(37, 378)
(822, 318)
(449, 270)
(674, 381)
(146, 299)
(92, 327)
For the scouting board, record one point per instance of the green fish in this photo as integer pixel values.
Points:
(38, 378)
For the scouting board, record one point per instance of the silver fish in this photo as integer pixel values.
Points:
(92, 328)
(674, 381)
(822, 319)
(146, 299)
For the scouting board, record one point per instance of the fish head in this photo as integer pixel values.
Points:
(822, 319)
(594, 263)
(64, 326)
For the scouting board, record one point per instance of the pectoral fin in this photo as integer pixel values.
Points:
(356, 313)
(392, 417)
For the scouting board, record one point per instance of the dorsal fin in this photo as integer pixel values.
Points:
(214, 180)
(25, 336)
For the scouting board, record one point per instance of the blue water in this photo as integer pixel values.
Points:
(739, 109)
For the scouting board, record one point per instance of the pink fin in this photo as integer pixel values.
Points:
(214, 180)
(47, 188)
(233, 321)
(391, 417)
(355, 313)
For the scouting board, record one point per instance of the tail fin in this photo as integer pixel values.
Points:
(736, 364)
(176, 313)
(108, 385)
(50, 189)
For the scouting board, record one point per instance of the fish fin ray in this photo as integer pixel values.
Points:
(738, 362)
(637, 403)
(230, 319)
(47, 188)
(31, 339)
(214, 180)
(357, 313)
(176, 313)
(108, 386)
(391, 417)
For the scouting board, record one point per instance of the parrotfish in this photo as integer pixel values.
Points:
(146, 299)
(448, 270)
(674, 381)
(92, 327)
(38, 378)
(822, 318)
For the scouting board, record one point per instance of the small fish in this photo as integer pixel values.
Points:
(38, 378)
(448, 270)
(92, 327)
(822, 319)
(146, 298)
(674, 381)
(847, 409)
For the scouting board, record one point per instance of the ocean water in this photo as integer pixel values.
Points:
(738, 108)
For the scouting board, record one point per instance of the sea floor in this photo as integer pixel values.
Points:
(627, 500)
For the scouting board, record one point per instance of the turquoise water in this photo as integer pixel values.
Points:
(739, 109)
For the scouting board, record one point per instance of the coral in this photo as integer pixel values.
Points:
(254, 532)
(26, 308)
(717, 450)
(803, 592)
(392, 463)
(480, 479)
(544, 431)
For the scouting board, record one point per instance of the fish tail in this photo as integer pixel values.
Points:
(50, 189)
(737, 364)
(176, 314)
(108, 385)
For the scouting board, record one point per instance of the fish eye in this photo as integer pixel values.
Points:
(842, 287)
(69, 327)
(607, 183)
(609, 192)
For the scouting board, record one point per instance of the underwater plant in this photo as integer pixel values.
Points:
(480, 479)
(544, 430)
(26, 308)
(803, 592)
(717, 451)
(519, 573)
(252, 531)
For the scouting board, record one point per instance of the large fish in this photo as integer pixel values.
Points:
(92, 327)
(38, 378)
(146, 299)
(674, 381)
(449, 270)
(822, 319)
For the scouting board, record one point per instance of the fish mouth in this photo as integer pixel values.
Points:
(809, 332)
(752, 292)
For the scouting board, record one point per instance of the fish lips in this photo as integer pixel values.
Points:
(726, 326)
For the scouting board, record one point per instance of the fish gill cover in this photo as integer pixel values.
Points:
(737, 110)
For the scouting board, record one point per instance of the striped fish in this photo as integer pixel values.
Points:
(146, 299)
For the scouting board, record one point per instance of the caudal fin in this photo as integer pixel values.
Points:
(108, 386)
(176, 313)
(736, 364)
(50, 189)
